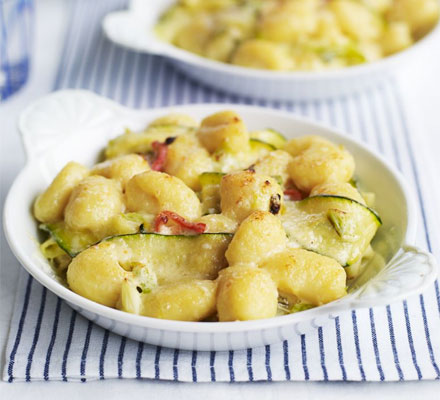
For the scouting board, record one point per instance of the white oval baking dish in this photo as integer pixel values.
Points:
(133, 29)
(76, 125)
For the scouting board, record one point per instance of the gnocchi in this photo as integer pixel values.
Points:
(50, 205)
(188, 301)
(153, 191)
(306, 276)
(92, 203)
(246, 293)
(243, 192)
(294, 35)
(207, 221)
(121, 169)
(316, 161)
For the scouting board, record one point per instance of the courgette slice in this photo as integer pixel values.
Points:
(211, 178)
(271, 136)
(227, 161)
(70, 241)
(333, 226)
(141, 142)
(258, 150)
(172, 257)
(258, 146)
(210, 193)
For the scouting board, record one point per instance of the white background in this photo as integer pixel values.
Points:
(420, 84)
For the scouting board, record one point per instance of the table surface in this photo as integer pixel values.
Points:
(420, 84)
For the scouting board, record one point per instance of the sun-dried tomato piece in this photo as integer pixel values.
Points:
(161, 151)
(163, 218)
(294, 194)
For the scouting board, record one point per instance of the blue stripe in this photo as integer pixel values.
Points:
(193, 366)
(428, 337)
(410, 340)
(20, 329)
(86, 55)
(140, 350)
(156, 362)
(68, 344)
(81, 47)
(212, 365)
(94, 56)
(267, 363)
(180, 83)
(36, 334)
(331, 109)
(249, 364)
(121, 356)
(169, 72)
(393, 343)
(304, 357)
(153, 84)
(129, 63)
(340, 351)
(74, 30)
(413, 165)
(373, 114)
(141, 90)
(176, 364)
(82, 367)
(303, 107)
(346, 116)
(117, 54)
(93, 62)
(375, 347)
(357, 105)
(318, 109)
(231, 366)
(102, 356)
(391, 128)
(356, 342)
(52, 340)
(286, 359)
(322, 354)
(437, 294)
(107, 49)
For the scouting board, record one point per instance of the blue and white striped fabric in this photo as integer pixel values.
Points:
(50, 341)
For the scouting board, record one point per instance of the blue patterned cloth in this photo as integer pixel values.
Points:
(50, 341)
(16, 23)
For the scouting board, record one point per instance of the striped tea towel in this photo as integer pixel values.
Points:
(49, 341)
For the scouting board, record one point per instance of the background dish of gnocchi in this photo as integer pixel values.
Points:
(212, 194)
(282, 60)
(285, 35)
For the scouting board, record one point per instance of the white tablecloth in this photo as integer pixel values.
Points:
(420, 84)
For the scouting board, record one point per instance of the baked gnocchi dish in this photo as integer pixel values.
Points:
(289, 35)
(209, 222)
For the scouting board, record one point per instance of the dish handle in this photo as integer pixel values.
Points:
(70, 111)
(133, 30)
(408, 273)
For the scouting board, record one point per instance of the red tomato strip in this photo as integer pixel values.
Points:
(161, 151)
(165, 216)
(294, 194)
